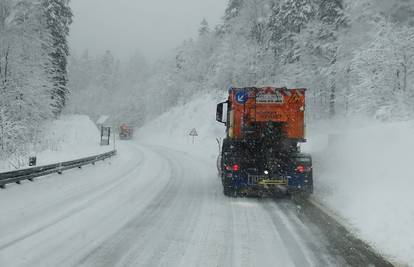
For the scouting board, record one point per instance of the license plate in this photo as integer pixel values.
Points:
(260, 180)
(273, 182)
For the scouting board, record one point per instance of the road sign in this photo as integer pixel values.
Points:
(32, 161)
(242, 97)
(193, 132)
(105, 135)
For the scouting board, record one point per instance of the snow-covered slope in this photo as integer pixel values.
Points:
(73, 136)
(172, 128)
(69, 137)
(363, 174)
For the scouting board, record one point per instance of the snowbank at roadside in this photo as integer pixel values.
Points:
(172, 129)
(362, 172)
(70, 137)
(362, 169)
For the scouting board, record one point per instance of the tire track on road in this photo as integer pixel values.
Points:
(293, 246)
(96, 192)
(113, 250)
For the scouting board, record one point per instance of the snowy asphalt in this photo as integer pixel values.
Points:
(153, 206)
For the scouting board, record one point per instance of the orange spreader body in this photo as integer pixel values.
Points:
(253, 106)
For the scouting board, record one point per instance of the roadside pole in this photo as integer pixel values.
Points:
(193, 134)
(114, 139)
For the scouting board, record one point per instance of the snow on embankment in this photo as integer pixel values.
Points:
(74, 136)
(365, 176)
(172, 128)
(70, 137)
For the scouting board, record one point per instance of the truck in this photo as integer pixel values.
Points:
(125, 132)
(260, 154)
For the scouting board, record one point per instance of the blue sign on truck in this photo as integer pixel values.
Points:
(242, 97)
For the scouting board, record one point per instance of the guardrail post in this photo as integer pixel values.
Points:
(18, 182)
(60, 169)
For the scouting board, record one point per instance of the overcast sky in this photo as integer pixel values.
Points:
(153, 27)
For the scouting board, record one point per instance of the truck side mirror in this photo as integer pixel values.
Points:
(219, 112)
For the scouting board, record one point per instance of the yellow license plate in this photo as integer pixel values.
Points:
(273, 182)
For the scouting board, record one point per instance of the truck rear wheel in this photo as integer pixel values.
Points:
(307, 189)
(229, 191)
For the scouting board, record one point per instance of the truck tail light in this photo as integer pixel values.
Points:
(300, 169)
(234, 167)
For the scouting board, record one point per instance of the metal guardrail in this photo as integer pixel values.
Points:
(30, 173)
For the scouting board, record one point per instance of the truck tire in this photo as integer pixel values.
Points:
(308, 189)
(229, 192)
(310, 184)
(226, 148)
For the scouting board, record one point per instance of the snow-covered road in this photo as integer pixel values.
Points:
(152, 206)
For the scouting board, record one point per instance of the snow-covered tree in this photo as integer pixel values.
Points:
(233, 9)
(286, 21)
(26, 73)
(58, 17)
(383, 69)
(204, 28)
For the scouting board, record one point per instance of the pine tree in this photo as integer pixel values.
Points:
(256, 16)
(286, 21)
(331, 16)
(58, 16)
(331, 12)
(233, 9)
(204, 28)
(276, 30)
(295, 14)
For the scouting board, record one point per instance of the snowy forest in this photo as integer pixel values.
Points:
(33, 76)
(356, 57)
